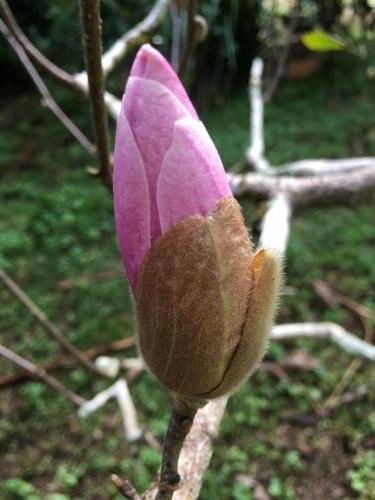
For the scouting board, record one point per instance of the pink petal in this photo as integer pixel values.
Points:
(192, 178)
(150, 64)
(131, 200)
(151, 110)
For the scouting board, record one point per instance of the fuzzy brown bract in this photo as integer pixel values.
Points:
(205, 303)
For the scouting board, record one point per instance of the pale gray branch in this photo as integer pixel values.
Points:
(255, 152)
(336, 333)
(120, 391)
(324, 166)
(276, 224)
(132, 38)
(307, 191)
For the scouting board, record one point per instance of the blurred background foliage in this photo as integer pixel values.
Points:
(57, 225)
(238, 30)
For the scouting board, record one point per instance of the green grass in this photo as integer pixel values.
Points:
(57, 224)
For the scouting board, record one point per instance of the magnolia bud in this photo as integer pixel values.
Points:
(205, 304)
(204, 300)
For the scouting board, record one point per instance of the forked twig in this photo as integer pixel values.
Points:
(28, 47)
(48, 100)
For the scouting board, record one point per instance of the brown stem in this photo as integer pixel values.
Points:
(179, 426)
(190, 41)
(125, 488)
(48, 325)
(36, 371)
(91, 39)
(42, 88)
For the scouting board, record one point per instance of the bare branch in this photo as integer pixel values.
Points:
(324, 166)
(280, 68)
(65, 362)
(91, 39)
(347, 341)
(136, 36)
(37, 372)
(125, 488)
(120, 391)
(255, 152)
(48, 100)
(29, 48)
(276, 224)
(54, 332)
(304, 192)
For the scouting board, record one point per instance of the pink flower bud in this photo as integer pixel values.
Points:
(166, 166)
(204, 299)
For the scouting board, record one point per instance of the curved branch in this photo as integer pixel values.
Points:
(347, 341)
(135, 36)
(29, 48)
(48, 100)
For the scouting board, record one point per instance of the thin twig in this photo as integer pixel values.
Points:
(125, 488)
(190, 38)
(136, 36)
(38, 372)
(31, 50)
(329, 295)
(48, 100)
(91, 39)
(55, 333)
(280, 68)
(64, 362)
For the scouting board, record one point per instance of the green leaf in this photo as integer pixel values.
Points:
(321, 41)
